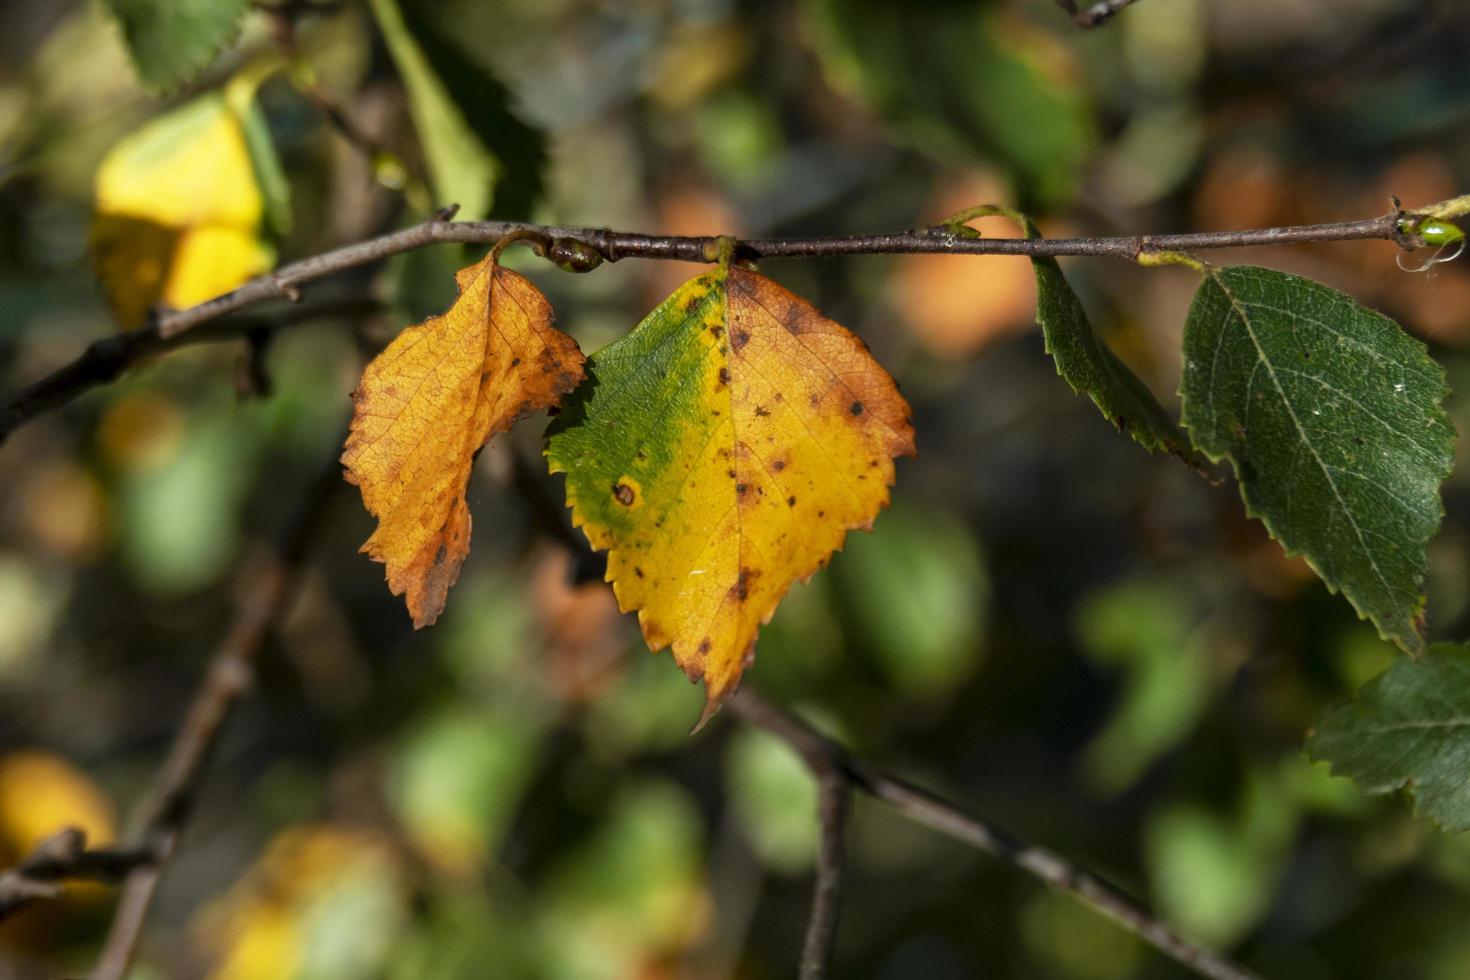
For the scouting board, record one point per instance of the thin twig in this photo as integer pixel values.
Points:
(164, 813)
(60, 858)
(615, 245)
(821, 928)
(1093, 15)
(106, 359)
(823, 756)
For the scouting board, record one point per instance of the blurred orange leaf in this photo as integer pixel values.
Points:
(954, 304)
(426, 406)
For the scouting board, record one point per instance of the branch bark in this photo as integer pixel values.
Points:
(286, 282)
(821, 930)
(1095, 14)
(164, 814)
(107, 359)
(831, 762)
(60, 858)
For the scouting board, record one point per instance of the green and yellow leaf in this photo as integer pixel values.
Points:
(721, 452)
(426, 406)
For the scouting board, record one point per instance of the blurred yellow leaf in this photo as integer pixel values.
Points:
(40, 793)
(277, 921)
(180, 209)
(141, 432)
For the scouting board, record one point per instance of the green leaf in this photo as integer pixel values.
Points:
(1330, 415)
(275, 190)
(173, 41)
(456, 784)
(1093, 370)
(918, 597)
(961, 83)
(478, 151)
(1408, 728)
(1150, 633)
(774, 799)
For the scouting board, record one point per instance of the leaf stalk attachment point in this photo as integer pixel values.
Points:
(1153, 260)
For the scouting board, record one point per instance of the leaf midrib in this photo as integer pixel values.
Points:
(1240, 312)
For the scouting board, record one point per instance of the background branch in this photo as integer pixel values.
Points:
(821, 930)
(1093, 14)
(830, 761)
(106, 360)
(163, 815)
(60, 858)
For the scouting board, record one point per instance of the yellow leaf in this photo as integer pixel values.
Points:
(41, 793)
(722, 452)
(311, 880)
(429, 402)
(179, 211)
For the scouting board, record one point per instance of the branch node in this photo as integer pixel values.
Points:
(446, 213)
(288, 289)
(59, 848)
(1095, 16)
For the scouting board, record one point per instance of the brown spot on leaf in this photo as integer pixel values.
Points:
(624, 494)
(740, 338)
(856, 408)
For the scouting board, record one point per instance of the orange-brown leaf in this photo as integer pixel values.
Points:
(428, 403)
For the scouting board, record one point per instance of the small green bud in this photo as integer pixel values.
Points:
(1440, 233)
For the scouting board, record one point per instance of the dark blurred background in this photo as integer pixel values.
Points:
(1086, 643)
